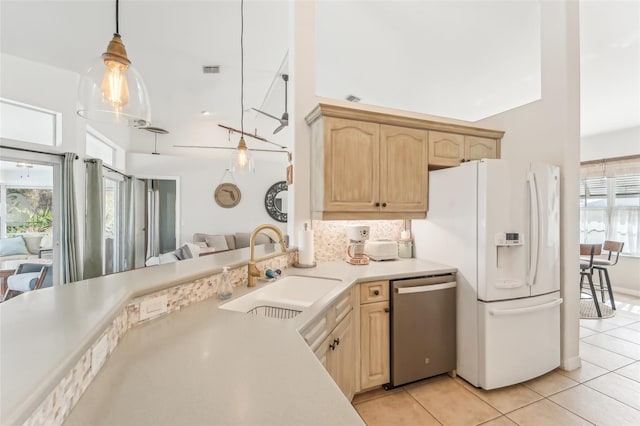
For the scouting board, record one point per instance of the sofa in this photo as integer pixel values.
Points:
(226, 242)
(23, 247)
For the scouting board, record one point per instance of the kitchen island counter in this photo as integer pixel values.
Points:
(204, 365)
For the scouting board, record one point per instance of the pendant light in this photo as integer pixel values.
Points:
(242, 160)
(111, 90)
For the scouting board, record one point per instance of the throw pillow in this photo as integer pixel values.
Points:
(168, 258)
(32, 242)
(47, 241)
(180, 254)
(231, 241)
(243, 239)
(190, 251)
(217, 242)
(13, 246)
(154, 260)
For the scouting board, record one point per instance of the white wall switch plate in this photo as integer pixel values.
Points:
(99, 353)
(153, 307)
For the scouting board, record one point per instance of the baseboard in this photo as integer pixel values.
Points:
(571, 364)
(627, 291)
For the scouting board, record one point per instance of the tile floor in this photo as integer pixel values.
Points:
(604, 391)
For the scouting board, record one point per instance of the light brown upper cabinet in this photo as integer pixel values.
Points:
(451, 149)
(370, 170)
(476, 148)
(371, 165)
(403, 169)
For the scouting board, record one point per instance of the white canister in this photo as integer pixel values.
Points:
(405, 249)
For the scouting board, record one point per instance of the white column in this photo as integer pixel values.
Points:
(302, 77)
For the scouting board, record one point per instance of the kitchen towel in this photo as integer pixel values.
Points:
(306, 255)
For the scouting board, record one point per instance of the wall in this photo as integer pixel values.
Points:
(625, 276)
(198, 181)
(619, 143)
(54, 89)
(549, 130)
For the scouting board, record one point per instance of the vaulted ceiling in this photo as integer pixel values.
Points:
(463, 60)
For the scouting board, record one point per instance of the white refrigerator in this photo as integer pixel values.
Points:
(498, 223)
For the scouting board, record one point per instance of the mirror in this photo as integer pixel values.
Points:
(275, 201)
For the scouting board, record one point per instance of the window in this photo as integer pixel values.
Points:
(98, 146)
(610, 210)
(112, 217)
(26, 194)
(26, 123)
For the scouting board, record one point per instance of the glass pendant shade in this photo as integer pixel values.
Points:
(112, 91)
(241, 159)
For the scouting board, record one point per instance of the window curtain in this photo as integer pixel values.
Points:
(624, 227)
(94, 221)
(610, 167)
(69, 252)
(128, 229)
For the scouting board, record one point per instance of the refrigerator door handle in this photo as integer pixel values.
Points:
(535, 229)
(548, 305)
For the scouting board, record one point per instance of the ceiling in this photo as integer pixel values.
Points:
(465, 60)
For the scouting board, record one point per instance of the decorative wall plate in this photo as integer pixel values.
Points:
(227, 195)
(275, 201)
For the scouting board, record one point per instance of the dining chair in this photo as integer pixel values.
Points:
(586, 269)
(602, 265)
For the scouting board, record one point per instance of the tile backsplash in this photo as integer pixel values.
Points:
(330, 236)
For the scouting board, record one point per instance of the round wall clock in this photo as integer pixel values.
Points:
(275, 201)
(227, 195)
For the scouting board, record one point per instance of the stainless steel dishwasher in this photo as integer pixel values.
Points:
(423, 327)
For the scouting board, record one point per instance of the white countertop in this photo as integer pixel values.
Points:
(201, 365)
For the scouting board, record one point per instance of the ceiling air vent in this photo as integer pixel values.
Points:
(211, 69)
(353, 98)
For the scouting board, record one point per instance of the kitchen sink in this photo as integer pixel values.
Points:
(284, 298)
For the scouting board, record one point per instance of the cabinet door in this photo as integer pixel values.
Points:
(477, 148)
(342, 358)
(323, 353)
(374, 344)
(445, 149)
(352, 165)
(403, 169)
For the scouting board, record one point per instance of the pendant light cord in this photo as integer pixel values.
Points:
(242, 67)
(117, 17)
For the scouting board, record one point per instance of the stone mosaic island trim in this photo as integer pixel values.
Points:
(58, 404)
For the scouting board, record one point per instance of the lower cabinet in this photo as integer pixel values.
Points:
(374, 344)
(374, 334)
(337, 354)
(332, 339)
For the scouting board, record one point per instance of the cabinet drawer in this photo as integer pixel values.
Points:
(374, 291)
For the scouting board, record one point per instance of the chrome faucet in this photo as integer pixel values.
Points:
(253, 270)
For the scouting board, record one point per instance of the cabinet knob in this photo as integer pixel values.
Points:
(332, 346)
(336, 341)
(376, 292)
(386, 309)
(384, 204)
(377, 204)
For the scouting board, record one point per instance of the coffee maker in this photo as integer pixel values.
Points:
(356, 236)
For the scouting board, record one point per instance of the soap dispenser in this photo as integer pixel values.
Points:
(225, 290)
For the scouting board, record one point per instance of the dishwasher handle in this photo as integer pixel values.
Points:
(425, 288)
